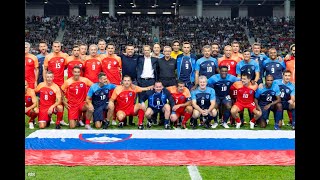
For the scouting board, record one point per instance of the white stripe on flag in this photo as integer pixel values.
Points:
(194, 173)
(160, 134)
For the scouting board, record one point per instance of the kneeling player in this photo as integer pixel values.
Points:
(125, 95)
(245, 99)
(157, 101)
(30, 101)
(98, 99)
(203, 102)
(182, 107)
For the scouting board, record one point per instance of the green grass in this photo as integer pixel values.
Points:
(161, 172)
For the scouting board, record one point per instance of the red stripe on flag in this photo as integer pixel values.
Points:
(160, 158)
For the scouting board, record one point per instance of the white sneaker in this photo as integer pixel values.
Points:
(214, 125)
(283, 123)
(52, 122)
(87, 126)
(114, 122)
(267, 121)
(251, 125)
(238, 125)
(31, 125)
(225, 125)
(63, 123)
(81, 123)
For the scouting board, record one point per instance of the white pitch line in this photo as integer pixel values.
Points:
(194, 173)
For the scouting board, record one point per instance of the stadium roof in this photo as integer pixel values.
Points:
(160, 4)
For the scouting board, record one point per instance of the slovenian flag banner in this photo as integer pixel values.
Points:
(160, 147)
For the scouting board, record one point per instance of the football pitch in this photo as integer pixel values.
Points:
(161, 172)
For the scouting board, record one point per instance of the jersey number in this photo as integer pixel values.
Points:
(58, 66)
(158, 103)
(209, 69)
(103, 97)
(223, 88)
(202, 101)
(46, 97)
(272, 70)
(282, 94)
(77, 90)
(109, 66)
(93, 67)
(245, 95)
(269, 98)
(187, 66)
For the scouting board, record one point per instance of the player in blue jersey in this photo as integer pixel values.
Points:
(259, 57)
(203, 101)
(268, 98)
(43, 48)
(98, 99)
(273, 65)
(287, 94)
(157, 101)
(186, 63)
(221, 84)
(206, 65)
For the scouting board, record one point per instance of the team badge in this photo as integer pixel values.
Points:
(228, 83)
(232, 62)
(50, 92)
(98, 63)
(250, 92)
(81, 85)
(277, 65)
(61, 60)
(272, 94)
(29, 99)
(261, 58)
(252, 67)
(287, 90)
(114, 62)
(106, 91)
(212, 63)
(80, 65)
(130, 93)
(29, 60)
(207, 96)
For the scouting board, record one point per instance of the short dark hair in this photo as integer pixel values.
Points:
(126, 76)
(101, 74)
(76, 67)
(180, 82)
(223, 67)
(175, 41)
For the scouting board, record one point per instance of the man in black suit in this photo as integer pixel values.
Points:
(147, 67)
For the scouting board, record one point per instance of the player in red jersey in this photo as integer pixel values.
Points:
(92, 64)
(290, 60)
(227, 60)
(31, 66)
(111, 65)
(55, 62)
(49, 101)
(182, 98)
(30, 103)
(125, 95)
(74, 60)
(83, 51)
(245, 99)
(75, 90)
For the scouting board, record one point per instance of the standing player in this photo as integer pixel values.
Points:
(111, 65)
(83, 51)
(221, 83)
(290, 60)
(92, 64)
(203, 102)
(207, 65)
(259, 57)
(157, 101)
(268, 98)
(215, 50)
(30, 102)
(156, 51)
(43, 48)
(49, 101)
(75, 91)
(102, 47)
(74, 60)
(227, 60)
(55, 62)
(245, 99)
(31, 67)
(125, 95)
(182, 99)
(287, 95)
(175, 49)
(236, 55)
(98, 99)
(273, 65)
(186, 63)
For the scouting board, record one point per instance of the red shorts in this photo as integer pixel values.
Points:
(75, 111)
(31, 85)
(250, 106)
(129, 111)
(180, 111)
(43, 114)
(28, 113)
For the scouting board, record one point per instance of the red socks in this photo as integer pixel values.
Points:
(140, 116)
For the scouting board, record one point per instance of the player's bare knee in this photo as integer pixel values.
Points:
(195, 114)
(36, 110)
(59, 108)
(173, 117)
(98, 125)
(278, 106)
(234, 110)
(213, 113)
(189, 109)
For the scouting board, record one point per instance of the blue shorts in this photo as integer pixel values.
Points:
(98, 114)
(285, 105)
(265, 113)
(224, 100)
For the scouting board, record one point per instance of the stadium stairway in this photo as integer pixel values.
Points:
(60, 35)
(156, 32)
(251, 40)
